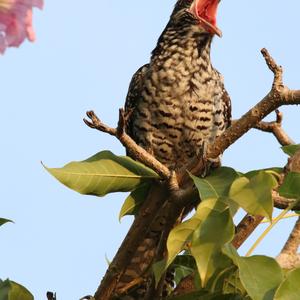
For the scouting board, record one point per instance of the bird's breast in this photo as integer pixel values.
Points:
(180, 108)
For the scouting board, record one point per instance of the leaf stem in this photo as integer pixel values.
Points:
(285, 217)
(269, 228)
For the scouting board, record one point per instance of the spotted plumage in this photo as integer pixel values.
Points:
(178, 100)
(178, 106)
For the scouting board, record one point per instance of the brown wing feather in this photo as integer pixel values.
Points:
(227, 104)
(134, 92)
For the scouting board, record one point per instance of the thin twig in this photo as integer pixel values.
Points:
(274, 67)
(279, 95)
(288, 216)
(275, 127)
(282, 202)
(135, 150)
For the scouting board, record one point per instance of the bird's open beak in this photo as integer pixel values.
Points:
(206, 12)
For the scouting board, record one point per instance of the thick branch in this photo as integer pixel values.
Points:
(288, 258)
(292, 244)
(245, 229)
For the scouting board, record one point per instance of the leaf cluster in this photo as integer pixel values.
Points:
(200, 246)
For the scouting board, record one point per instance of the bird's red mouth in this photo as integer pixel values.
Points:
(206, 12)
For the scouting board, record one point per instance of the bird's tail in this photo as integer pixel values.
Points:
(133, 282)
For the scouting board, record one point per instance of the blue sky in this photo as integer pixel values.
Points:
(83, 59)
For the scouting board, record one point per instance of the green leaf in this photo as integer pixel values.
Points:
(4, 221)
(255, 194)
(179, 236)
(260, 275)
(215, 230)
(290, 149)
(10, 290)
(290, 287)
(275, 171)
(190, 296)
(181, 272)
(183, 265)
(134, 201)
(204, 295)
(233, 284)
(208, 211)
(158, 269)
(185, 260)
(217, 184)
(231, 252)
(177, 239)
(103, 173)
(227, 279)
(210, 228)
(291, 186)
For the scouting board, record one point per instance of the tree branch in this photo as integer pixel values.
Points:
(283, 203)
(249, 223)
(288, 258)
(135, 150)
(186, 285)
(275, 127)
(245, 228)
(278, 96)
(293, 165)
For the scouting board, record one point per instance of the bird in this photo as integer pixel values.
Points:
(177, 103)
(178, 100)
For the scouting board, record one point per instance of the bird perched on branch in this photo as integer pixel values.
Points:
(178, 102)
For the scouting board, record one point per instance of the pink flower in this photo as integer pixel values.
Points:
(16, 22)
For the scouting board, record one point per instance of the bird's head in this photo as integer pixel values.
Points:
(200, 12)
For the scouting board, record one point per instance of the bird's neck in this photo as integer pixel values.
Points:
(187, 46)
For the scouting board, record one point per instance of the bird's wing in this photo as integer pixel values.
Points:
(134, 93)
(227, 107)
